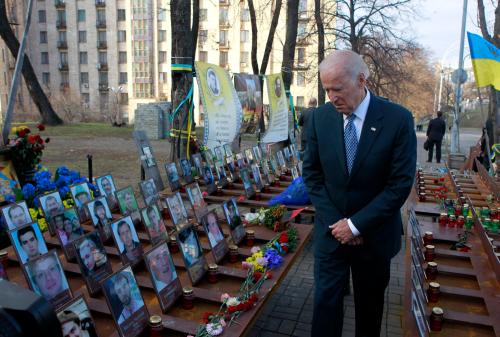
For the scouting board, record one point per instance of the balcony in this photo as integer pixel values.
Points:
(100, 3)
(102, 66)
(62, 45)
(61, 24)
(224, 24)
(64, 85)
(304, 16)
(302, 41)
(301, 65)
(100, 24)
(63, 66)
(104, 86)
(102, 45)
(224, 2)
(60, 4)
(224, 44)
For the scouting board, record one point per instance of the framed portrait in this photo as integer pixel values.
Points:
(107, 188)
(127, 241)
(221, 173)
(231, 169)
(147, 156)
(257, 154)
(419, 268)
(247, 183)
(287, 155)
(263, 150)
(196, 199)
(125, 302)
(46, 278)
(81, 195)
(241, 161)
(218, 151)
(417, 285)
(420, 316)
(281, 159)
(177, 210)
(163, 275)
(128, 203)
(173, 176)
(249, 156)
(52, 205)
(192, 253)
(94, 263)
(233, 219)
(291, 136)
(8, 178)
(215, 236)
(16, 215)
(299, 167)
(198, 164)
(208, 178)
(75, 319)
(70, 231)
(266, 173)
(28, 242)
(256, 177)
(208, 157)
(274, 166)
(149, 191)
(295, 172)
(186, 171)
(101, 216)
(228, 150)
(154, 224)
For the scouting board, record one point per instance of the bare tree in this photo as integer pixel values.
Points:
(493, 111)
(292, 22)
(48, 114)
(318, 8)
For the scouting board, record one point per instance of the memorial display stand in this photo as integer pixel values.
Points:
(467, 271)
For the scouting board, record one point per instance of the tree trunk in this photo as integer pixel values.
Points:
(292, 22)
(182, 52)
(196, 26)
(270, 37)
(321, 46)
(253, 22)
(48, 114)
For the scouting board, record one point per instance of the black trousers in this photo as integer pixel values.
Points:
(370, 277)
(436, 143)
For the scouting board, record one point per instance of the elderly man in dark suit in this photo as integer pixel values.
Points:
(435, 134)
(359, 167)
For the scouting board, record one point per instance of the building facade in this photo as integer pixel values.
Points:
(97, 58)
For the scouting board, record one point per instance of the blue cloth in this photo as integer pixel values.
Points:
(295, 194)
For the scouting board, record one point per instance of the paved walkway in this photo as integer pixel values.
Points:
(289, 310)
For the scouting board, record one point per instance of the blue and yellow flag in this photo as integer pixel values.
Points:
(485, 60)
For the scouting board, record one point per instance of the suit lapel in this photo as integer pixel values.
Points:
(371, 129)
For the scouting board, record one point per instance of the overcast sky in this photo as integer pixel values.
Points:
(438, 28)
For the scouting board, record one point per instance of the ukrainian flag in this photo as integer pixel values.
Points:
(485, 60)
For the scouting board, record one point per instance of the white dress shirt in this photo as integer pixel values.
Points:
(360, 115)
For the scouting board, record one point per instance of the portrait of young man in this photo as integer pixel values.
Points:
(75, 319)
(92, 254)
(197, 201)
(149, 192)
(128, 204)
(51, 205)
(232, 214)
(190, 246)
(154, 223)
(177, 210)
(213, 82)
(16, 215)
(107, 188)
(101, 215)
(28, 242)
(359, 167)
(127, 240)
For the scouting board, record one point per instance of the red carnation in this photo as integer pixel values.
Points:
(285, 248)
(23, 132)
(41, 127)
(31, 139)
(283, 237)
(232, 309)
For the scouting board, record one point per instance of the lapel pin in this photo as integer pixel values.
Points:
(373, 129)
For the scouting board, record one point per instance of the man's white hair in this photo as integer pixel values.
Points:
(352, 63)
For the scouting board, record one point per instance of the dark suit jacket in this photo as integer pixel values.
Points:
(380, 181)
(436, 129)
(303, 120)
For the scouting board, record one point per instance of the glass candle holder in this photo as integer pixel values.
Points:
(428, 238)
(212, 273)
(494, 226)
(465, 209)
(155, 325)
(422, 197)
(174, 246)
(453, 221)
(436, 319)
(487, 223)
(258, 195)
(430, 253)
(187, 298)
(233, 253)
(458, 210)
(433, 292)
(443, 219)
(460, 221)
(431, 271)
(469, 222)
(250, 237)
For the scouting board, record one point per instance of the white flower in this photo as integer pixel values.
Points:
(214, 329)
(232, 301)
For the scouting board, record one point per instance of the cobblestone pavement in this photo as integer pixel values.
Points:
(289, 310)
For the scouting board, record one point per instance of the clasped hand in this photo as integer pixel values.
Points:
(342, 232)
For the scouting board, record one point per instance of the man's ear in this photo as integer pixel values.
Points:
(362, 80)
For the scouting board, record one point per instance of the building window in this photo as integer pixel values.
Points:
(122, 15)
(301, 79)
(101, 16)
(203, 35)
(65, 78)
(124, 98)
(86, 98)
(42, 16)
(162, 77)
(43, 36)
(302, 6)
(84, 78)
(203, 56)
(301, 55)
(300, 101)
(63, 57)
(244, 35)
(46, 78)
(223, 16)
(223, 58)
(122, 57)
(223, 37)
(123, 78)
(162, 14)
(101, 36)
(244, 55)
(162, 35)
(103, 77)
(61, 16)
(301, 30)
(203, 14)
(83, 57)
(245, 14)
(162, 57)
(122, 35)
(62, 36)
(103, 57)
(81, 15)
(45, 57)
(82, 36)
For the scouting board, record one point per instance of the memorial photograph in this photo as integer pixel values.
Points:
(149, 191)
(16, 215)
(127, 240)
(154, 224)
(177, 210)
(128, 203)
(172, 176)
(101, 216)
(76, 320)
(28, 242)
(196, 199)
(107, 188)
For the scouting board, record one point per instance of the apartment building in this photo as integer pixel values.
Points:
(111, 55)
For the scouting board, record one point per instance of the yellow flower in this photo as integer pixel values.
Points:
(42, 224)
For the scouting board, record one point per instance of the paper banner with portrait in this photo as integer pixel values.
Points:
(278, 110)
(223, 112)
(249, 93)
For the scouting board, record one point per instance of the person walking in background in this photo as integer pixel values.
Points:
(435, 134)
(304, 116)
